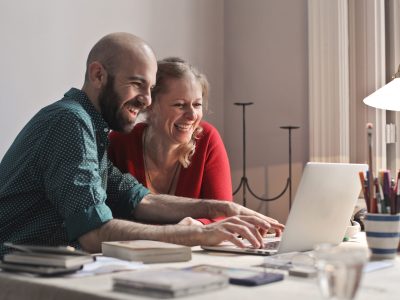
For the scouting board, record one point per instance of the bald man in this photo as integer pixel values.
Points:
(57, 186)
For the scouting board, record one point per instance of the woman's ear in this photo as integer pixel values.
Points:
(153, 106)
(152, 111)
(150, 108)
(149, 111)
(97, 74)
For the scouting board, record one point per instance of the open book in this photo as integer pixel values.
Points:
(147, 251)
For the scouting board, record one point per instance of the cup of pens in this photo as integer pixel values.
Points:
(382, 222)
(382, 198)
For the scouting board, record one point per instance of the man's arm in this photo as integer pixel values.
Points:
(172, 209)
(229, 229)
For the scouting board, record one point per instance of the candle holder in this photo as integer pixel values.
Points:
(244, 182)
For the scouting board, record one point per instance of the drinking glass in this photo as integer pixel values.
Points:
(339, 270)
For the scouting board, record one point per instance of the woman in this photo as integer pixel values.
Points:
(174, 151)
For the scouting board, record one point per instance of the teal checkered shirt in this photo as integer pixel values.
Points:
(56, 182)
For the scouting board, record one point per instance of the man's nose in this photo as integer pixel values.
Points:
(147, 96)
(144, 99)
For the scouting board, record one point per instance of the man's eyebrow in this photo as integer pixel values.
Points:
(137, 77)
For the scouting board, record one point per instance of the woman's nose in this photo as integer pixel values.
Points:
(190, 113)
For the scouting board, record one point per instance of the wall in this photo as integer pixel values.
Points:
(45, 44)
(266, 63)
(251, 50)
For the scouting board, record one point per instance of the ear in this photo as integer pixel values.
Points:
(97, 74)
(149, 112)
(150, 108)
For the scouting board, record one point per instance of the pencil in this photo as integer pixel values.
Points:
(364, 188)
(372, 207)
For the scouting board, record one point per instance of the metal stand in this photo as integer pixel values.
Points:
(244, 181)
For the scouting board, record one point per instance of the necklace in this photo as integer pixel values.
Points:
(147, 171)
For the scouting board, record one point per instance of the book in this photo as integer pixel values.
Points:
(168, 283)
(147, 251)
(68, 250)
(37, 270)
(46, 259)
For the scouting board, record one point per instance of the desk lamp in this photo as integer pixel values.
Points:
(388, 96)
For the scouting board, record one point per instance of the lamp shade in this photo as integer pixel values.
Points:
(387, 97)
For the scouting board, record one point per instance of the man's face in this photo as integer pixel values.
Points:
(112, 112)
(126, 93)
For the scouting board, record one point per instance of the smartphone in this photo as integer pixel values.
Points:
(240, 276)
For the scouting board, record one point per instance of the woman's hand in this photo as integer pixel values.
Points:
(190, 221)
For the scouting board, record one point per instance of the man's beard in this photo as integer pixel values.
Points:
(108, 100)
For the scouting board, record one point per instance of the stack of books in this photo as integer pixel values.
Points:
(168, 283)
(44, 260)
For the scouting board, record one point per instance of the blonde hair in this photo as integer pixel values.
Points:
(177, 68)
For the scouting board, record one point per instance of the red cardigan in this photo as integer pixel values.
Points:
(207, 177)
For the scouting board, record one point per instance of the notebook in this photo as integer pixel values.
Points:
(321, 210)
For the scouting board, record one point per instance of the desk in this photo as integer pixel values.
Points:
(381, 284)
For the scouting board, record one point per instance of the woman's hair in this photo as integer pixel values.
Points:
(177, 68)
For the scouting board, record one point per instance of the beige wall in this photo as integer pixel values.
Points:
(44, 45)
(253, 50)
(266, 63)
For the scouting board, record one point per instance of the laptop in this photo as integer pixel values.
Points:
(321, 210)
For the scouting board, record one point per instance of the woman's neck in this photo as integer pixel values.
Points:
(161, 163)
(159, 150)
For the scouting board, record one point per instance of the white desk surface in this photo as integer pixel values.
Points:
(380, 284)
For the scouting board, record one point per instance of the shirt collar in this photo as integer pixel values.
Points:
(98, 121)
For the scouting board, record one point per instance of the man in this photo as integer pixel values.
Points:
(57, 186)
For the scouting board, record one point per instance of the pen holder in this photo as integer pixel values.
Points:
(382, 231)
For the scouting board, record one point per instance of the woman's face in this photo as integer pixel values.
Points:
(177, 112)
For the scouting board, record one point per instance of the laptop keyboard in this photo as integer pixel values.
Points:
(271, 245)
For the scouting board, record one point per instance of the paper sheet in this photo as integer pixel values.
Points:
(104, 264)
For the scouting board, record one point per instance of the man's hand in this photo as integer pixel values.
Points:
(232, 209)
(275, 225)
(249, 227)
(233, 229)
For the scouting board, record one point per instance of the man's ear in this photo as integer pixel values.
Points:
(97, 74)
